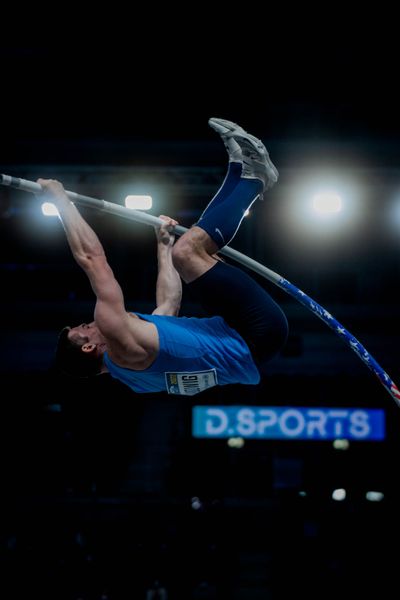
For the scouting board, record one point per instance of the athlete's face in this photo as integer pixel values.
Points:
(86, 333)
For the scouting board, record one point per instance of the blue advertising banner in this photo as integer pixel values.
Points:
(288, 423)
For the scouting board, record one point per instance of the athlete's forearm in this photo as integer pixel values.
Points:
(83, 241)
(169, 285)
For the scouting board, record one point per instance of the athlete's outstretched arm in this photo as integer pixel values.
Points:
(89, 254)
(169, 285)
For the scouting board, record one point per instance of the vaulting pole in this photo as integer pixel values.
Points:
(295, 292)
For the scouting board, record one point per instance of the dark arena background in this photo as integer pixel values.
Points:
(111, 495)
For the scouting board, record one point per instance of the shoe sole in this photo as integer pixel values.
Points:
(237, 132)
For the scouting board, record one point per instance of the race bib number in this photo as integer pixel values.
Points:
(190, 383)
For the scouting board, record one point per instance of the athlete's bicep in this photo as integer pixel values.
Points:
(112, 319)
(110, 314)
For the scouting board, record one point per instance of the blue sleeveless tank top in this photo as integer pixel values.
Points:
(195, 354)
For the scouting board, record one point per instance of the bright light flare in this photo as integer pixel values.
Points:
(327, 202)
(235, 442)
(138, 202)
(324, 204)
(341, 444)
(50, 210)
(339, 495)
(372, 496)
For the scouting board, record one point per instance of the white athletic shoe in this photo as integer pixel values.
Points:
(255, 157)
(231, 145)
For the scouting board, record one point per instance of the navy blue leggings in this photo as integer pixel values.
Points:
(223, 215)
(229, 292)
